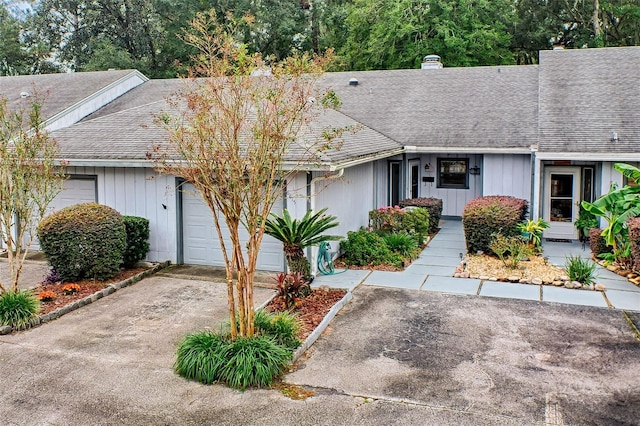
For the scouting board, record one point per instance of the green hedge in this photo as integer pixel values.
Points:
(484, 217)
(433, 206)
(137, 229)
(597, 242)
(634, 238)
(85, 240)
(363, 248)
(392, 220)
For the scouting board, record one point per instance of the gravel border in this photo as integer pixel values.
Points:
(110, 289)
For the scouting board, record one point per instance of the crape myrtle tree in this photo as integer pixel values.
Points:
(30, 178)
(230, 136)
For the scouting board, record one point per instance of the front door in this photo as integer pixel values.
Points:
(562, 196)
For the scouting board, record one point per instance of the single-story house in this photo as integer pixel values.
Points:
(548, 133)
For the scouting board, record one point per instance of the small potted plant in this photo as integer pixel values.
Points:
(531, 231)
(586, 221)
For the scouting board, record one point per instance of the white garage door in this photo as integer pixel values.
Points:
(75, 191)
(200, 240)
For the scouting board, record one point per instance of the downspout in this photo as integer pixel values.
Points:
(535, 184)
(311, 204)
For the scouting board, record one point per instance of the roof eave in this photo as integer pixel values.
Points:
(589, 156)
(465, 150)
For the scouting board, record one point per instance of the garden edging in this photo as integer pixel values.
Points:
(310, 340)
(111, 288)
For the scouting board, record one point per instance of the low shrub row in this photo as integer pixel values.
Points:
(597, 242)
(487, 216)
(433, 206)
(395, 219)
(370, 248)
(634, 237)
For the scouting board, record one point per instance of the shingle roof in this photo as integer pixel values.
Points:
(479, 108)
(585, 96)
(61, 90)
(125, 130)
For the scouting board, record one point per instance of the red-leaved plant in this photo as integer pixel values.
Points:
(291, 289)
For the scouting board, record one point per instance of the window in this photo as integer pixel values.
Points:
(453, 173)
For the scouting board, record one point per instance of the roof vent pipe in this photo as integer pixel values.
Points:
(431, 62)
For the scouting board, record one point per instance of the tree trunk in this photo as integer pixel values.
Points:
(297, 261)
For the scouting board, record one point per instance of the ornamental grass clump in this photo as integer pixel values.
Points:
(209, 357)
(510, 250)
(402, 243)
(254, 361)
(18, 307)
(201, 355)
(283, 327)
(580, 270)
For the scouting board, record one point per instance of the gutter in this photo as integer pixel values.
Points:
(599, 156)
(312, 254)
(334, 167)
(464, 150)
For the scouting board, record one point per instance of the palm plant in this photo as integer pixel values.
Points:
(616, 208)
(298, 234)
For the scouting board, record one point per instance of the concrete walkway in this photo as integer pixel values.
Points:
(434, 269)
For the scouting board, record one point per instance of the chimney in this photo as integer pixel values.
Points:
(431, 62)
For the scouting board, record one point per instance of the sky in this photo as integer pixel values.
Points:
(18, 7)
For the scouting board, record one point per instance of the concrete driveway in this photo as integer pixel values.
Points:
(472, 360)
(392, 357)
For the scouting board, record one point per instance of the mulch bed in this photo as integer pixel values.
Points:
(87, 288)
(312, 308)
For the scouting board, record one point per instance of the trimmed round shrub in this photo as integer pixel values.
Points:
(597, 242)
(85, 240)
(18, 307)
(137, 229)
(433, 206)
(484, 217)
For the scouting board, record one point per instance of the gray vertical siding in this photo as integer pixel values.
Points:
(141, 192)
(349, 198)
(453, 200)
(508, 174)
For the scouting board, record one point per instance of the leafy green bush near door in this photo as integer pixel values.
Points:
(365, 248)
